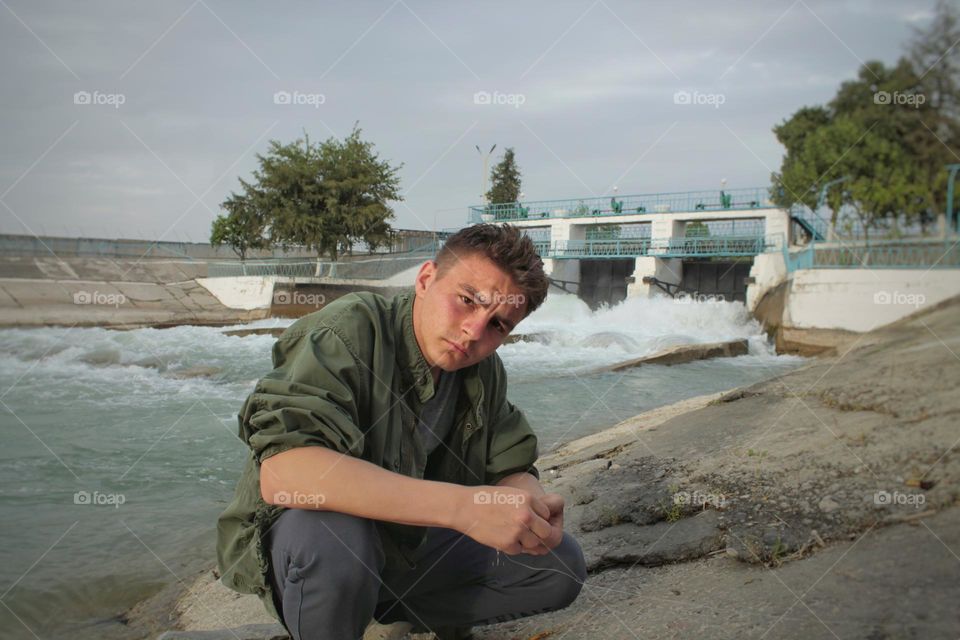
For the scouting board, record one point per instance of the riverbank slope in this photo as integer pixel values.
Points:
(820, 503)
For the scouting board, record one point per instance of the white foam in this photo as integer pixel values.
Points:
(573, 338)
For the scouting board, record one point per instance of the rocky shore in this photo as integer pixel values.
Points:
(820, 503)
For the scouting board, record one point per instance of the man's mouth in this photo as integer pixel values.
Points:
(457, 347)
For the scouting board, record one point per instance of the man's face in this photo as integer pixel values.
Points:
(462, 317)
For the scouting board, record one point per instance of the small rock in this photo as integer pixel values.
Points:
(828, 505)
(195, 372)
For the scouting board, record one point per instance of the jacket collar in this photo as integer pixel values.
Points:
(414, 368)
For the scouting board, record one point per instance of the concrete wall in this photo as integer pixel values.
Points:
(665, 269)
(663, 227)
(769, 270)
(129, 293)
(246, 292)
(863, 299)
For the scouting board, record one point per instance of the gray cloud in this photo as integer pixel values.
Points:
(597, 80)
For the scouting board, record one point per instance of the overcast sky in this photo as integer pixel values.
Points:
(180, 96)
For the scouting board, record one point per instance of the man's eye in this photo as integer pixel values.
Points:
(466, 300)
(501, 328)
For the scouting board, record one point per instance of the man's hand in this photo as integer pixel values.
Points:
(535, 525)
(554, 502)
(506, 518)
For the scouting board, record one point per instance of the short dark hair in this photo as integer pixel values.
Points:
(508, 248)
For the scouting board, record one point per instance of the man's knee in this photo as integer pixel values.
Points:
(338, 548)
(573, 571)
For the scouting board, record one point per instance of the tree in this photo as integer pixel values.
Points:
(323, 196)
(696, 229)
(242, 228)
(604, 232)
(504, 180)
(888, 132)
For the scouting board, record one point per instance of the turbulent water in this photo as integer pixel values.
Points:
(114, 464)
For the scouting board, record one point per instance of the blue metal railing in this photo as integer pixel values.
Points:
(705, 247)
(620, 248)
(889, 255)
(882, 254)
(815, 226)
(752, 198)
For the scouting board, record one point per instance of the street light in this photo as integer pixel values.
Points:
(483, 177)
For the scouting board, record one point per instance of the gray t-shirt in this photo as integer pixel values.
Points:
(436, 416)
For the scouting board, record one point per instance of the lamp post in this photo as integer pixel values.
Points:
(483, 176)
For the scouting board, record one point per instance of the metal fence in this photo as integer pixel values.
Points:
(404, 241)
(702, 247)
(753, 198)
(848, 228)
(883, 254)
(377, 267)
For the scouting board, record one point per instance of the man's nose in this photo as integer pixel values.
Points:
(473, 325)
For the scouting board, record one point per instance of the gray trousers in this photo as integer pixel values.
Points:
(329, 581)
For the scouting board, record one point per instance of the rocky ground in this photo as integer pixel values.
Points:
(821, 503)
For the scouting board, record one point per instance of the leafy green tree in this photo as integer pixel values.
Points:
(696, 229)
(324, 196)
(242, 228)
(604, 232)
(505, 180)
(889, 132)
(936, 58)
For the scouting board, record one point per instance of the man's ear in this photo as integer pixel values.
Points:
(426, 275)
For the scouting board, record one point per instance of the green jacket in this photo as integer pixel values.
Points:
(351, 377)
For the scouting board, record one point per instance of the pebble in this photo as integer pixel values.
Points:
(828, 505)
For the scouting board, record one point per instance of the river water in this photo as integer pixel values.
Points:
(113, 469)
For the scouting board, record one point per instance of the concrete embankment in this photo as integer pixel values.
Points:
(822, 503)
(817, 310)
(121, 293)
(127, 293)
